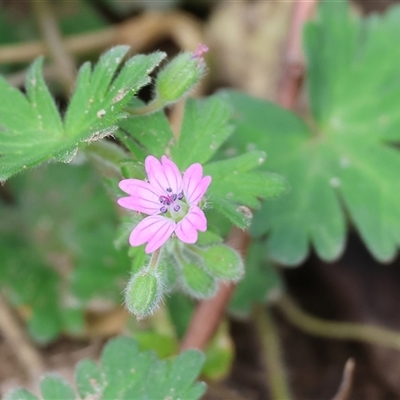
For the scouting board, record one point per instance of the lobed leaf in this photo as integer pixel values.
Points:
(204, 129)
(126, 373)
(31, 129)
(345, 161)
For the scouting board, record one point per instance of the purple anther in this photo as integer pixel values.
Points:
(177, 208)
(164, 209)
(180, 196)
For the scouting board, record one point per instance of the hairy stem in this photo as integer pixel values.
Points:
(139, 32)
(52, 36)
(271, 353)
(106, 156)
(293, 68)
(336, 330)
(208, 314)
(155, 258)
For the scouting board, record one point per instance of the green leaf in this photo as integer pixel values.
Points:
(19, 394)
(345, 162)
(126, 373)
(31, 130)
(205, 127)
(89, 380)
(56, 387)
(56, 211)
(234, 184)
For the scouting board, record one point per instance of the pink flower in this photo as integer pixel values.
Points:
(169, 199)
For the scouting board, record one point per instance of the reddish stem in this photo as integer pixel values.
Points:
(293, 69)
(206, 317)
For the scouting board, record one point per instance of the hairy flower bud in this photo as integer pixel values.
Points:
(143, 293)
(181, 75)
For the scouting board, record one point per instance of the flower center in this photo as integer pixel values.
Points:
(173, 205)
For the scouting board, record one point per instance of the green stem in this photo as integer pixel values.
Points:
(153, 106)
(271, 353)
(106, 156)
(336, 330)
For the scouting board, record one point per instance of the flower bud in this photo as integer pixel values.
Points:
(143, 293)
(197, 282)
(181, 75)
(222, 262)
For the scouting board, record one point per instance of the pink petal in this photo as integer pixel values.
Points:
(195, 220)
(194, 185)
(164, 175)
(155, 230)
(143, 198)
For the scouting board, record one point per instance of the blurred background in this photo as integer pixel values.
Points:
(61, 276)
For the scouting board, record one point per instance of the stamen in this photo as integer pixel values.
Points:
(180, 196)
(177, 208)
(169, 190)
(164, 209)
(174, 196)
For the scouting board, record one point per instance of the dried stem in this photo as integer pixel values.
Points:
(54, 42)
(208, 314)
(293, 68)
(139, 32)
(271, 353)
(336, 330)
(345, 387)
(29, 358)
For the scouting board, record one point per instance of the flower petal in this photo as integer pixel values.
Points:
(143, 197)
(194, 185)
(195, 220)
(155, 230)
(164, 175)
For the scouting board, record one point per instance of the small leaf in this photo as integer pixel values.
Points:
(56, 387)
(223, 262)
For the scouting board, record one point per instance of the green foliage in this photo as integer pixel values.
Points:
(55, 246)
(206, 125)
(126, 373)
(31, 129)
(344, 161)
